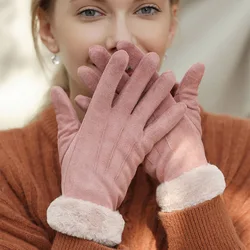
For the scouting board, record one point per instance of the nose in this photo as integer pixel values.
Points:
(119, 30)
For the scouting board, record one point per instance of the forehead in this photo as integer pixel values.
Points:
(113, 2)
(105, 1)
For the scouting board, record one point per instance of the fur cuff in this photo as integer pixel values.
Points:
(191, 188)
(86, 220)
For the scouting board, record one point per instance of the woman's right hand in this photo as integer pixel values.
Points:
(99, 157)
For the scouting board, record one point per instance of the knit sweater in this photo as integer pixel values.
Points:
(31, 179)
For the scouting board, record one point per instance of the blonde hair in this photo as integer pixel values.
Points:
(61, 77)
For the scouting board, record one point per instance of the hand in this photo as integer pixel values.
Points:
(178, 161)
(180, 153)
(169, 157)
(100, 157)
(182, 149)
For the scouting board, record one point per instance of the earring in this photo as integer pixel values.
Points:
(55, 59)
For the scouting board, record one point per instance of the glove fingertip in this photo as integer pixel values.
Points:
(82, 102)
(56, 94)
(95, 48)
(200, 67)
(196, 72)
(155, 58)
(81, 71)
(124, 45)
(122, 54)
(120, 59)
(55, 90)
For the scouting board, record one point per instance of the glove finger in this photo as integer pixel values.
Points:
(135, 56)
(167, 102)
(89, 77)
(188, 89)
(162, 126)
(132, 91)
(154, 97)
(83, 102)
(67, 120)
(106, 89)
(100, 57)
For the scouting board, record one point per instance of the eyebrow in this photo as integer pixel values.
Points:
(103, 1)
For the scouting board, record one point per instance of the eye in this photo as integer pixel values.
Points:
(90, 13)
(148, 10)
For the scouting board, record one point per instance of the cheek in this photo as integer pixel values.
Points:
(152, 36)
(74, 42)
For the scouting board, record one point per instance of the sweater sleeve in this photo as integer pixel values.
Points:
(63, 241)
(204, 226)
(18, 229)
(193, 212)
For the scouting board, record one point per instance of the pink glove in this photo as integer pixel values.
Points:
(181, 150)
(178, 161)
(99, 157)
(168, 152)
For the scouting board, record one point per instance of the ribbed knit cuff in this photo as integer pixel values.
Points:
(65, 242)
(85, 220)
(191, 188)
(205, 226)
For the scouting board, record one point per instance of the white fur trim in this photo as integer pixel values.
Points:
(191, 188)
(83, 219)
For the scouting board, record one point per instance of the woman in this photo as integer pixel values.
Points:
(94, 173)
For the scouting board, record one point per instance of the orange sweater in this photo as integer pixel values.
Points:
(30, 181)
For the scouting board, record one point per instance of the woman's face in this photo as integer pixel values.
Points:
(76, 25)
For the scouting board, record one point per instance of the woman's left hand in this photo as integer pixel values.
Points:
(182, 149)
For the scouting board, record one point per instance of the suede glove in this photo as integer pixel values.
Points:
(100, 157)
(178, 161)
(181, 152)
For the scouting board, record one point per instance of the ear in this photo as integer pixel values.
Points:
(46, 32)
(173, 25)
